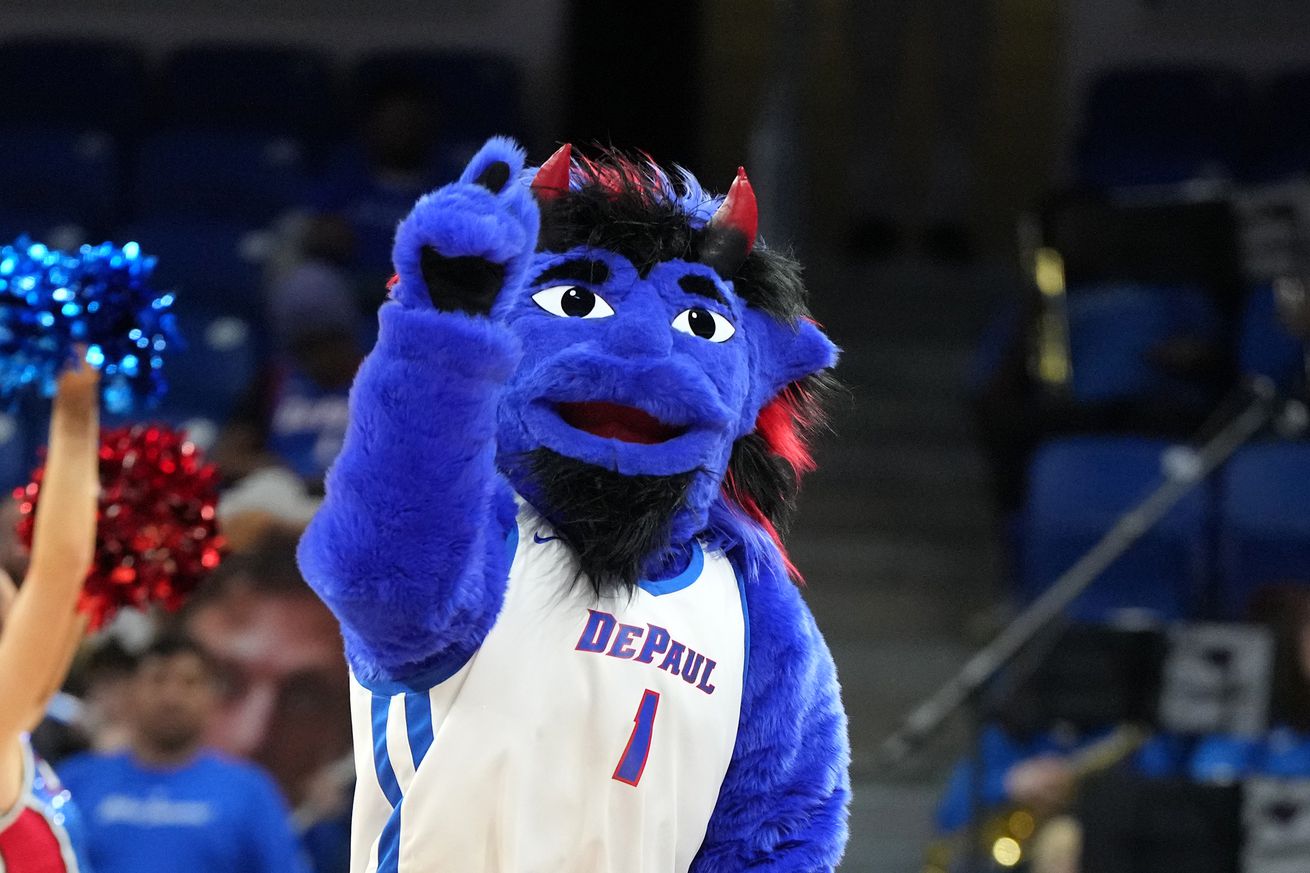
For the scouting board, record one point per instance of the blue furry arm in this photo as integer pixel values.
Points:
(783, 803)
(408, 547)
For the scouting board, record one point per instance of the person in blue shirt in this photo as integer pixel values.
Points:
(1034, 770)
(1283, 751)
(167, 804)
(295, 414)
(371, 182)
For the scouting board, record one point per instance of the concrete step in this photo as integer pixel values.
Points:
(958, 469)
(887, 590)
(910, 297)
(890, 823)
(860, 509)
(906, 417)
(882, 683)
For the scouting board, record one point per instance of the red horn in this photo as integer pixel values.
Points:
(730, 234)
(552, 179)
(739, 210)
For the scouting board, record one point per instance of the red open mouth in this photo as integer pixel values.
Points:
(617, 422)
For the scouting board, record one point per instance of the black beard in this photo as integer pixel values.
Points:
(614, 523)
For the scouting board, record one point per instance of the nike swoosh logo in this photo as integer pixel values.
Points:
(538, 538)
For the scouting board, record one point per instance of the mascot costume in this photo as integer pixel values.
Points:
(551, 538)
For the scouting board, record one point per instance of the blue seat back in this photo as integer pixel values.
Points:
(1264, 345)
(16, 455)
(214, 266)
(1161, 124)
(79, 84)
(1264, 522)
(277, 89)
(51, 172)
(210, 376)
(1078, 488)
(1114, 328)
(1279, 145)
(478, 94)
(230, 175)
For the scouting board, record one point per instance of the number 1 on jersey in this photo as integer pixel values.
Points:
(633, 762)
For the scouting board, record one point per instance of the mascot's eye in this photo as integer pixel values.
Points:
(570, 301)
(704, 324)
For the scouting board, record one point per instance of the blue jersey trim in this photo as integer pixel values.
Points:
(381, 759)
(389, 841)
(389, 844)
(420, 683)
(680, 581)
(746, 627)
(512, 541)
(418, 723)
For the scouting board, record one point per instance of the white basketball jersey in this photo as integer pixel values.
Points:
(583, 736)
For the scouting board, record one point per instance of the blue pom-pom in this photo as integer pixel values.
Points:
(100, 298)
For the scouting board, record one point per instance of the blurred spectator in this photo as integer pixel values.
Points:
(1294, 306)
(284, 699)
(295, 416)
(8, 593)
(1284, 750)
(107, 675)
(13, 557)
(1038, 775)
(372, 182)
(324, 817)
(168, 804)
(269, 502)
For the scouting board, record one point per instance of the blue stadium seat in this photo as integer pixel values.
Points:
(213, 265)
(219, 174)
(208, 375)
(78, 84)
(1113, 329)
(1264, 522)
(52, 229)
(64, 175)
(477, 94)
(16, 455)
(1280, 132)
(1264, 345)
(1077, 488)
(248, 87)
(1161, 125)
(214, 371)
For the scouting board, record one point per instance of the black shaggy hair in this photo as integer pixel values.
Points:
(627, 204)
(613, 522)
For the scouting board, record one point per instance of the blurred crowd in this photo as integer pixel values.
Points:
(219, 738)
(1161, 723)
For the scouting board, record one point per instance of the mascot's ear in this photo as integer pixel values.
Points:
(782, 354)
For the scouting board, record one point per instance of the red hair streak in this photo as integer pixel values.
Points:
(782, 423)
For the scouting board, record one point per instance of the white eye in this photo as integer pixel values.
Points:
(704, 323)
(572, 301)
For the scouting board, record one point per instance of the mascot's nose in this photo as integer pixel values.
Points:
(642, 335)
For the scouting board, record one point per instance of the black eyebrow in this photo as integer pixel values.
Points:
(703, 286)
(578, 269)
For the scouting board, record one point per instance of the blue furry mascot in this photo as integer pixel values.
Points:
(552, 536)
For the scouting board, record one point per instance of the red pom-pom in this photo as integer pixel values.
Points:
(157, 533)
